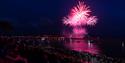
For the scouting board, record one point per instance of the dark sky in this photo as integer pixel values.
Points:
(44, 16)
(41, 16)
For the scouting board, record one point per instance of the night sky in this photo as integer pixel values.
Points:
(36, 16)
(44, 16)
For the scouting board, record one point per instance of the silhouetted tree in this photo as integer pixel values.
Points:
(5, 26)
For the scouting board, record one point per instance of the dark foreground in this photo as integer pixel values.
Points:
(41, 51)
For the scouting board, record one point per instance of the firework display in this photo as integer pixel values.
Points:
(80, 15)
(78, 19)
(62, 31)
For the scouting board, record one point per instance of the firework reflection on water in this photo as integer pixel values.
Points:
(77, 20)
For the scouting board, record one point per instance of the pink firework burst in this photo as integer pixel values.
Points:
(79, 15)
(78, 18)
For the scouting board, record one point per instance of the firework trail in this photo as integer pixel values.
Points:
(79, 16)
(78, 19)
